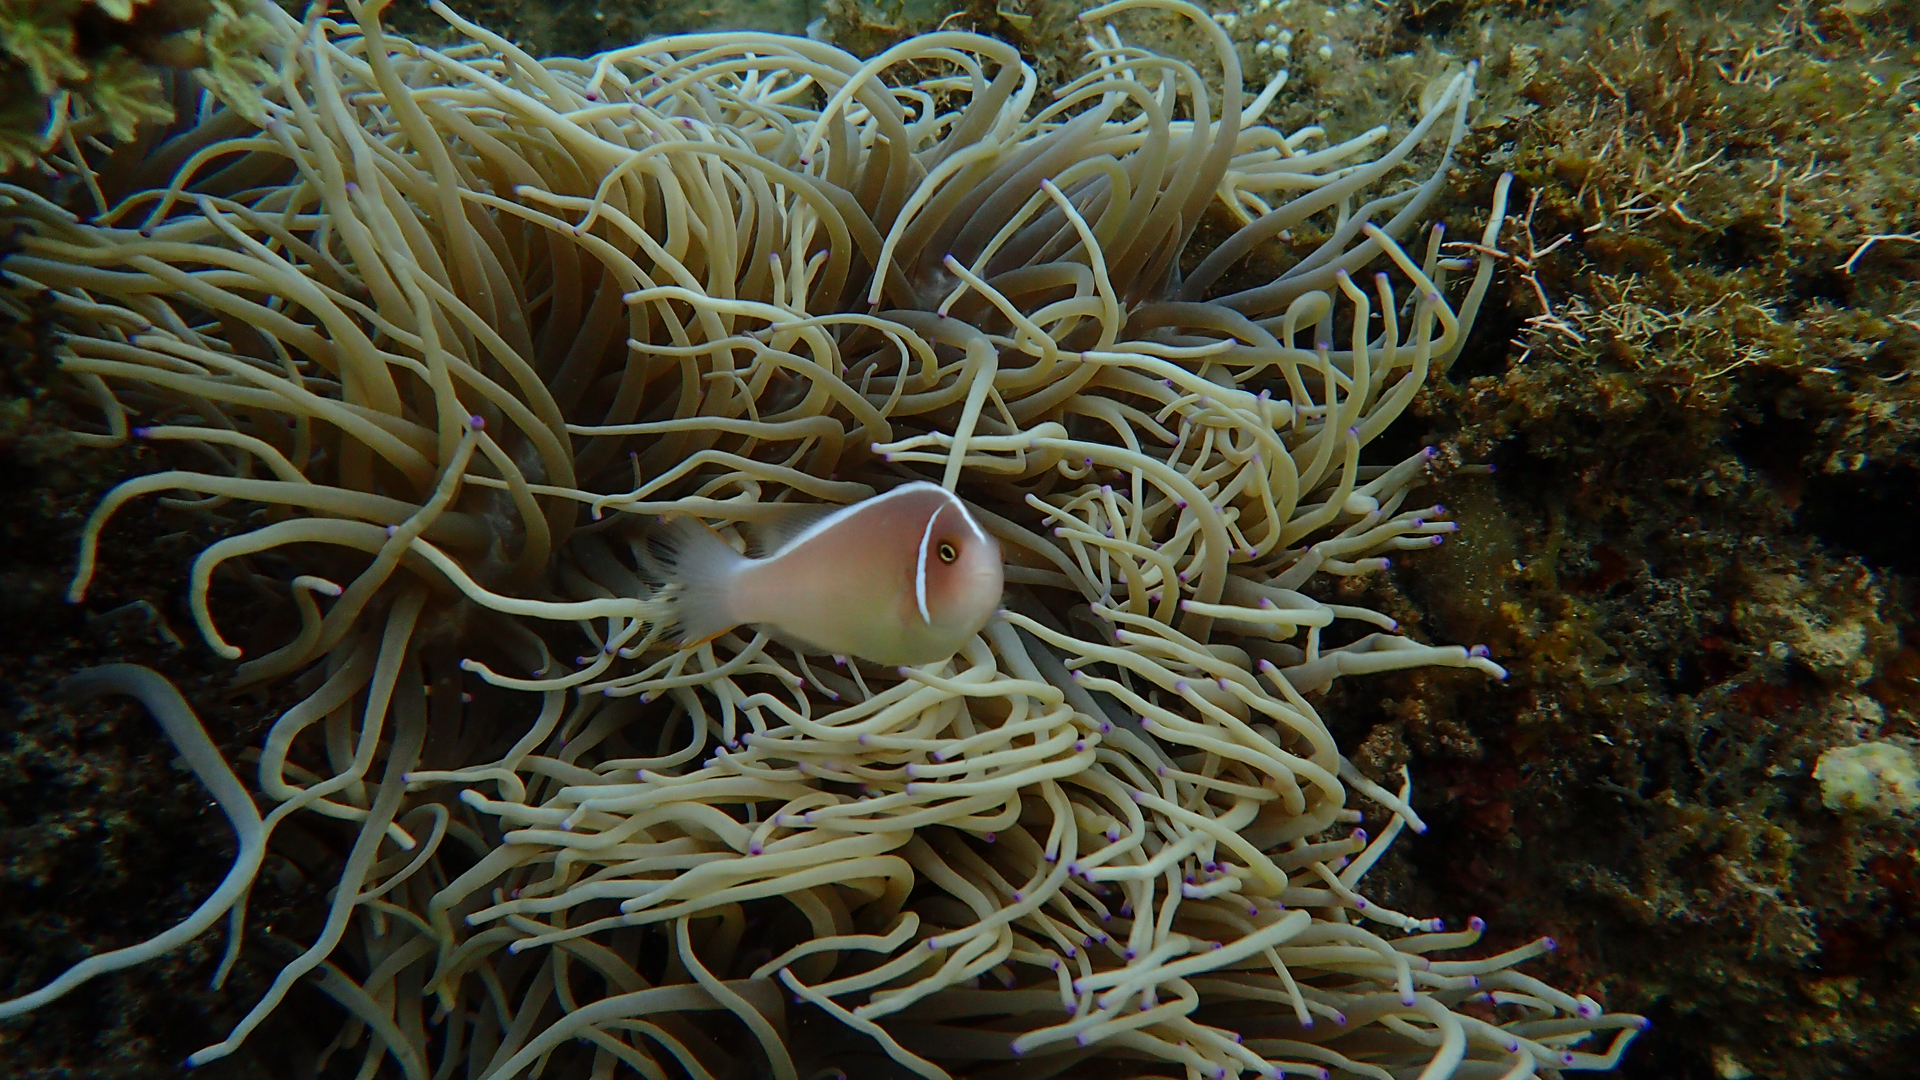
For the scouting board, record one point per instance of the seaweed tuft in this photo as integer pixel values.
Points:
(78, 69)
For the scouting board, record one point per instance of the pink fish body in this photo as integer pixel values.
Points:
(906, 577)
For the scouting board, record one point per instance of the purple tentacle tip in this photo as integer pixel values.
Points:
(1479, 650)
(1476, 923)
(1438, 540)
(755, 849)
(1643, 1024)
(476, 423)
(1566, 1057)
(1549, 944)
(1360, 835)
(1586, 1011)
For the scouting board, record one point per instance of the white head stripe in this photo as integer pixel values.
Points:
(978, 532)
(920, 570)
(954, 501)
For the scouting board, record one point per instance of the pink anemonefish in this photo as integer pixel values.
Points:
(905, 577)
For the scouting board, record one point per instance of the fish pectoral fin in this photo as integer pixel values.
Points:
(689, 643)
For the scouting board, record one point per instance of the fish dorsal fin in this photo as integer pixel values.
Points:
(787, 521)
(792, 523)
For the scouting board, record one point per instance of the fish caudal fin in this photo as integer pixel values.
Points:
(702, 568)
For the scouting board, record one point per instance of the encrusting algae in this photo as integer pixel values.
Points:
(447, 324)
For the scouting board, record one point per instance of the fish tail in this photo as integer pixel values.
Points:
(702, 567)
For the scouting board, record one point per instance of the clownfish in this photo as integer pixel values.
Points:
(903, 578)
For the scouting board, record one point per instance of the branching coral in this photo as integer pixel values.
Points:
(452, 327)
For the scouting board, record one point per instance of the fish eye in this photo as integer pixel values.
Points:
(948, 552)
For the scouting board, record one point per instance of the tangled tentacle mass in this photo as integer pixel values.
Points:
(448, 329)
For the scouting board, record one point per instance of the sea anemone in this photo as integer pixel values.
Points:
(447, 330)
